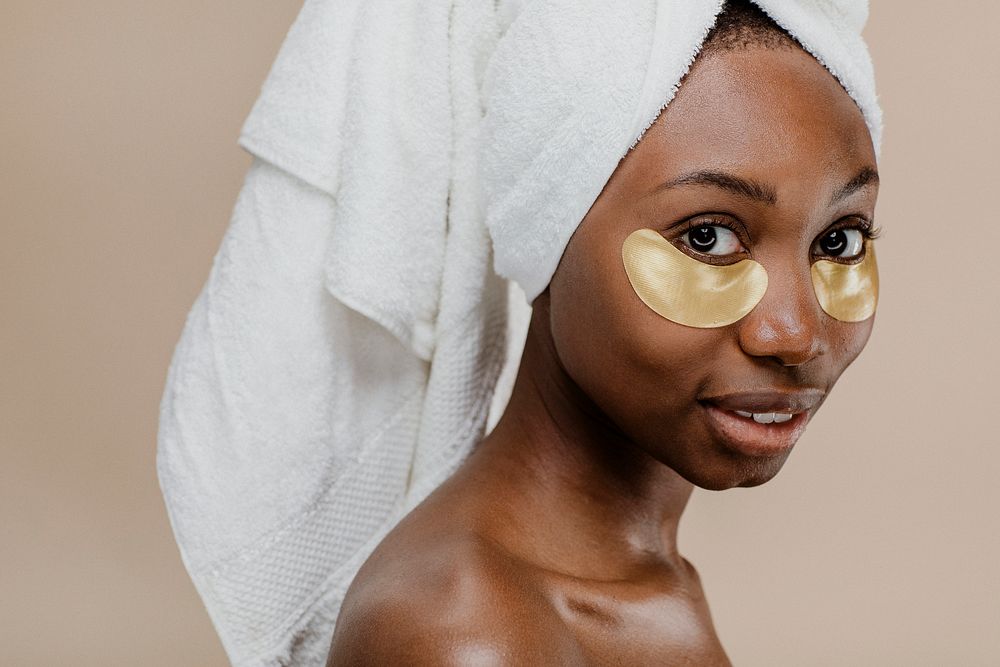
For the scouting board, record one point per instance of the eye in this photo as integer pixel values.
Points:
(842, 243)
(712, 240)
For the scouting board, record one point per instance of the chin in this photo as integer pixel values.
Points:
(759, 477)
(730, 473)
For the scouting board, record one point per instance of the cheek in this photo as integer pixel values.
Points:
(848, 339)
(636, 366)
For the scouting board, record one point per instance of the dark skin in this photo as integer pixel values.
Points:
(556, 541)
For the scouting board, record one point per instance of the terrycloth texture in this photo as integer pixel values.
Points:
(342, 359)
(289, 422)
(574, 84)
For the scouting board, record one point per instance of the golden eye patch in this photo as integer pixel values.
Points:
(686, 291)
(847, 292)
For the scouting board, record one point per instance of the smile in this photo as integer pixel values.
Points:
(762, 424)
(766, 417)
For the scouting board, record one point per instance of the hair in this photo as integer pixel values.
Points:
(742, 24)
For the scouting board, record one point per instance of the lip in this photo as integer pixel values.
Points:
(802, 400)
(747, 437)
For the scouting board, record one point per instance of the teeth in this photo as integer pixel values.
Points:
(766, 417)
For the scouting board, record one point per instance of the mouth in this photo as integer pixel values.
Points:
(761, 424)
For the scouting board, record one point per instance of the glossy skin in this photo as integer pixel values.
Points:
(555, 542)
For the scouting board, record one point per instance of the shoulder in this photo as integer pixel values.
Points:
(462, 601)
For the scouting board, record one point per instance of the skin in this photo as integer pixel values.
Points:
(556, 541)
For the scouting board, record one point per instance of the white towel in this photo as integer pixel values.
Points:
(343, 356)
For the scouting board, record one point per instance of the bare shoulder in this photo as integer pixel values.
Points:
(459, 600)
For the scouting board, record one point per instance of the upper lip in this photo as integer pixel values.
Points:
(801, 400)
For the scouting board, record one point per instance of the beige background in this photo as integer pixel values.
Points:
(877, 545)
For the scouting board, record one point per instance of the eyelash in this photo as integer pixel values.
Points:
(869, 232)
(868, 229)
(701, 221)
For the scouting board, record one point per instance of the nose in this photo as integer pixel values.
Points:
(787, 325)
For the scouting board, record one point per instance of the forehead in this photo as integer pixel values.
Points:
(774, 114)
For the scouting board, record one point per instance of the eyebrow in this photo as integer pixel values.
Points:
(742, 187)
(865, 177)
(750, 189)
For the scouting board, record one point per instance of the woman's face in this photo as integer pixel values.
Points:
(760, 155)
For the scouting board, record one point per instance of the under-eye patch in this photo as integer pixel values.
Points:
(687, 291)
(847, 292)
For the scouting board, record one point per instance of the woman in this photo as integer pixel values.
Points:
(699, 278)
(555, 542)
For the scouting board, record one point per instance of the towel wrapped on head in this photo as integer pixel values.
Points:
(419, 167)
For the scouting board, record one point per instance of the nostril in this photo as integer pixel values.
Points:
(799, 346)
(789, 335)
(799, 360)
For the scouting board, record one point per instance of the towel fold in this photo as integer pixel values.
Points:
(357, 336)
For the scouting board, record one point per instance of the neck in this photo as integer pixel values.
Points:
(598, 502)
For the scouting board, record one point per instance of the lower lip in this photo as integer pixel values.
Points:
(749, 438)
